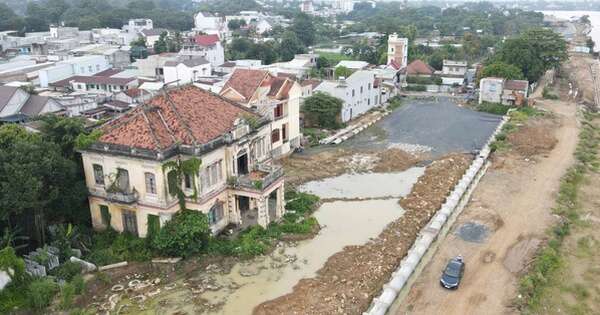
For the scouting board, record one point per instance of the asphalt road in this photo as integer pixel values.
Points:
(440, 125)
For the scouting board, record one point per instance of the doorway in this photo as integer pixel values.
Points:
(129, 222)
(242, 164)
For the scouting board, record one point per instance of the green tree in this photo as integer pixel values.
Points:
(55, 9)
(322, 110)
(184, 235)
(342, 71)
(502, 70)
(161, 44)
(548, 45)
(9, 20)
(290, 45)
(304, 29)
(35, 179)
(236, 24)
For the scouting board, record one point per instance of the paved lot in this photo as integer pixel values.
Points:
(439, 125)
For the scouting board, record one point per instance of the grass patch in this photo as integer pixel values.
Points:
(394, 103)
(546, 268)
(314, 135)
(492, 108)
(548, 94)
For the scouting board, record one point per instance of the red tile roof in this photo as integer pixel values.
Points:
(395, 64)
(134, 92)
(206, 40)
(516, 85)
(246, 81)
(187, 115)
(419, 67)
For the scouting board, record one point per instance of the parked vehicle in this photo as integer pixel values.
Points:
(453, 273)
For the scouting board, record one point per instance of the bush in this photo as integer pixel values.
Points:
(41, 292)
(67, 271)
(493, 108)
(109, 247)
(301, 203)
(323, 111)
(416, 88)
(547, 94)
(394, 102)
(184, 235)
(67, 293)
(78, 283)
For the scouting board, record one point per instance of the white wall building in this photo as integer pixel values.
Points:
(186, 71)
(453, 72)
(359, 92)
(207, 46)
(86, 65)
(397, 50)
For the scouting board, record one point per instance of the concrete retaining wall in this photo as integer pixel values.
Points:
(456, 201)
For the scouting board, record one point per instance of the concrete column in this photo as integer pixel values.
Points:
(263, 211)
(280, 202)
(234, 213)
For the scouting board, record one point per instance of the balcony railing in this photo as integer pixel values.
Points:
(260, 178)
(122, 197)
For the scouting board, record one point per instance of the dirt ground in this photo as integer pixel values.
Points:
(513, 201)
(301, 168)
(577, 290)
(350, 279)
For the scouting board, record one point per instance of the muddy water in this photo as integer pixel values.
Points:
(365, 185)
(343, 222)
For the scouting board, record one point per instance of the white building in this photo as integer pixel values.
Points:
(359, 92)
(186, 71)
(453, 72)
(135, 26)
(16, 105)
(85, 66)
(275, 98)
(353, 64)
(307, 7)
(298, 67)
(152, 35)
(207, 46)
(499, 90)
(397, 51)
(211, 24)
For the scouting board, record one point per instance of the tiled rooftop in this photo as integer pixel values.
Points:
(186, 115)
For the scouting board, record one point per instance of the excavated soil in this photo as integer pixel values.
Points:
(302, 168)
(350, 279)
(536, 137)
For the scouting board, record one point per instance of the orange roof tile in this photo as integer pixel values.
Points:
(187, 115)
(245, 81)
(419, 67)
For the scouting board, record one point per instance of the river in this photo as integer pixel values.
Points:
(594, 19)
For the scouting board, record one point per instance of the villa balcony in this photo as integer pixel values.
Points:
(260, 178)
(123, 197)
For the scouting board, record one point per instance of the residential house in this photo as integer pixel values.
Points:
(152, 66)
(307, 7)
(419, 68)
(17, 105)
(186, 70)
(211, 24)
(276, 98)
(297, 67)
(97, 84)
(454, 72)
(207, 46)
(135, 26)
(152, 35)
(230, 66)
(116, 56)
(353, 64)
(507, 92)
(359, 93)
(236, 185)
(85, 65)
(134, 96)
(397, 50)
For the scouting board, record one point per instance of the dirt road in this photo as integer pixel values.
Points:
(513, 205)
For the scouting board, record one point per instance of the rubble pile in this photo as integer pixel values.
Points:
(349, 279)
(304, 168)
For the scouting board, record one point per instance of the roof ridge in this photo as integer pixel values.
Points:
(180, 117)
(171, 134)
(152, 132)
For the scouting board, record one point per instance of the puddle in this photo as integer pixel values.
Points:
(249, 283)
(365, 185)
(473, 232)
